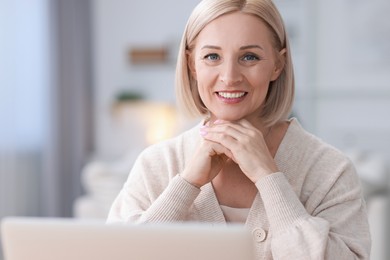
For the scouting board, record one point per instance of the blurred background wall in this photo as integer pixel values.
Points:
(85, 85)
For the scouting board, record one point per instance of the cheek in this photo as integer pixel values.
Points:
(260, 77)
(258, 80)
(206, 77)
(206, 84)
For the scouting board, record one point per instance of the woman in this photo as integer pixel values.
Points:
(246, 162)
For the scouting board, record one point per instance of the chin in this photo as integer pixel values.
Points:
(231, 117)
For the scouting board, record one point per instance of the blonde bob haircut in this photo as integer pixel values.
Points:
(278, 103)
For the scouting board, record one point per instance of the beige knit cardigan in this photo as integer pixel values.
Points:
(311, 209)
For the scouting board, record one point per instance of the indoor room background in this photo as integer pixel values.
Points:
(85, 85)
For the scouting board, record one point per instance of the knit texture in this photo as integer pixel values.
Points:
(311, 209)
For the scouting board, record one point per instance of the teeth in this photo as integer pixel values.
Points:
(231, 95)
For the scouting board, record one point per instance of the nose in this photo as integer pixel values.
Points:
(230, 73)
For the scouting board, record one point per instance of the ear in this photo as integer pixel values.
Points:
(279, 66)
(191, 63)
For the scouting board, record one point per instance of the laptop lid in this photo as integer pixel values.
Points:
(65, 239)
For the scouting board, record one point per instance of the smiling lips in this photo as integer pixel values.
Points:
(231, 97)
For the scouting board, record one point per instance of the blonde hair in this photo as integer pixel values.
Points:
(280, 96)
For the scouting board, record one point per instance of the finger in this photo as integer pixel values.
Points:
(226, 144)
(264, 132)
(222, 150)
(234, 125)
(237, 131)
(243, 126)
(218, 149)
(225, 129)
(245, 123)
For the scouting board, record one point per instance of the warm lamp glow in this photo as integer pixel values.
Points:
(161, 122)
(146, 121)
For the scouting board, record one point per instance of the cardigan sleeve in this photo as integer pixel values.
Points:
(336, 228)
(153, 192)
(172, 205)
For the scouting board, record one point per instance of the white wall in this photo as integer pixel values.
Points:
(339, 50)
(119, 26)
(353, 74)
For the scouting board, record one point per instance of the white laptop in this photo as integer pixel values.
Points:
(67, 239)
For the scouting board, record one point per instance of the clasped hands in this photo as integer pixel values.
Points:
(222, 141)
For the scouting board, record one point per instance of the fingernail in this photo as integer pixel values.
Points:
(202, 132)
(218, 121)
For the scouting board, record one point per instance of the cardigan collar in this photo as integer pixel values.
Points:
(207, 204)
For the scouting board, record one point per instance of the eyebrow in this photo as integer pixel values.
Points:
(251, 47)
(241, 48)
(211, 47)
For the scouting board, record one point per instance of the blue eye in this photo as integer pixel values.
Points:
(212, 57)
(250, 57)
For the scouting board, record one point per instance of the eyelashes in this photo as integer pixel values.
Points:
(250, 57)
(246, 58)
(211, 57)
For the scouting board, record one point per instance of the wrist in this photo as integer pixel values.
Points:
(263, 173)
(190, 180)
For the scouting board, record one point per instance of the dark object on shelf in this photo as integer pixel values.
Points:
(149, 55)
(129, 96)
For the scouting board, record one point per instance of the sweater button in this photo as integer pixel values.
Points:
(259, 235)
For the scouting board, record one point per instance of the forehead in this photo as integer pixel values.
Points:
(235, 29)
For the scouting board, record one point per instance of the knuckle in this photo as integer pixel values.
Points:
(246, 140)
(240, 147)
(223, 128)
(223, 136)
(252, 133)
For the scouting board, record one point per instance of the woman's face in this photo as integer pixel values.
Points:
(234, 62)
